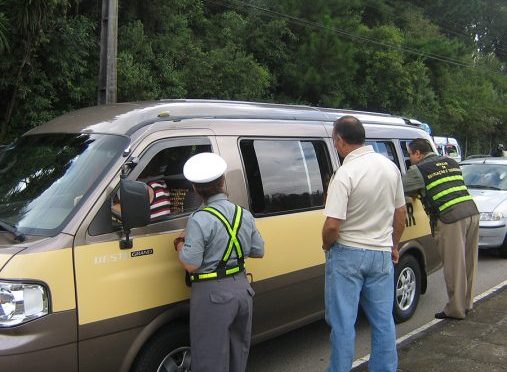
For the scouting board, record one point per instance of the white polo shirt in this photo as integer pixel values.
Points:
(364, 193)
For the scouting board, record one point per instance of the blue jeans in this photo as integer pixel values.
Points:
(353, 276)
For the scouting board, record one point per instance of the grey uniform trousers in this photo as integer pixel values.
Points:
(458, 245)
(220, 324)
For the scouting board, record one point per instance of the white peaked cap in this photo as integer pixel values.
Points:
(204, 167)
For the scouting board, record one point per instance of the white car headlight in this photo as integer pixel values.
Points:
(21, 302)
(491, 216)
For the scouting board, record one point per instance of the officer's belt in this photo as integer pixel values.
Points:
(216, 275)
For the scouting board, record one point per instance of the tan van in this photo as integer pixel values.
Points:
(84, 287)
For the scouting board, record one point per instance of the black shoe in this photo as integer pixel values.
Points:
(442, 315)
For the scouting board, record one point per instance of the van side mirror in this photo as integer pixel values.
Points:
(135, 208)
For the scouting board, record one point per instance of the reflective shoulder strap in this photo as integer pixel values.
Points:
(238, 218)
(232, 231)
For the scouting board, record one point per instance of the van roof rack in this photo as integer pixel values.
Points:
(413, 122)
(127, 118)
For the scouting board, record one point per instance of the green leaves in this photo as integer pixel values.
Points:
(442, 62)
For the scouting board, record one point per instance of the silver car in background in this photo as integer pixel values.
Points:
(486, 179)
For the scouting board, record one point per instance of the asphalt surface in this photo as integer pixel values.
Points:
(307, 349)
(477, 343)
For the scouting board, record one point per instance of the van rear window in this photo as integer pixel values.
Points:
(285, 175)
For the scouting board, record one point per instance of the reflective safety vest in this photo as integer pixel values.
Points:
(444, 186)
(222, 270)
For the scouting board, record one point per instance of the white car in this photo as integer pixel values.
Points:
(486, 179)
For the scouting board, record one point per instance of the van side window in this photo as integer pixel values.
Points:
(385, 148)
(161, 168)
(404, 149)
(286, 175)
(170, 193)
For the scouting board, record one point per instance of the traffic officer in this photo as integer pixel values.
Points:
(454, 220)
(217, 239)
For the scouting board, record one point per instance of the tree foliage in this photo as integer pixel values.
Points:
(443, 62)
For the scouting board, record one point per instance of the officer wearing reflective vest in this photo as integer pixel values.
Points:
(454, 219)
(217, 239)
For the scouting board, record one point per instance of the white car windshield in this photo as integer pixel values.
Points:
(485, 176)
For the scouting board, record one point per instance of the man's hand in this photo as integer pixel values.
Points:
(330, 232)
(395, 255)
(398, 227)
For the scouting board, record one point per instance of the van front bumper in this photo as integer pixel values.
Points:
(45, 344)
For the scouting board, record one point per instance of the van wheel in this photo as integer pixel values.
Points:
(407, 288)
(168, 351)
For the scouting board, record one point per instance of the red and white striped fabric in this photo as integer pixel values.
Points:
(161, 204)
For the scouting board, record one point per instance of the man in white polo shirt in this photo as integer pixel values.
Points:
(365, 217)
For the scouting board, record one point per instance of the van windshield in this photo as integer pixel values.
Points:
(44, 178)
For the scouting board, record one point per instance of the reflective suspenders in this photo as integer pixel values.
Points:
(222, 271)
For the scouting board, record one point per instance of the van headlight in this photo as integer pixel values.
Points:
(491, 216)
(21, 302)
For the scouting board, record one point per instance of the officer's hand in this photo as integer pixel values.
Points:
(178, 243)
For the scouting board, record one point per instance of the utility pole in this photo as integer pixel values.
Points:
(108, 51)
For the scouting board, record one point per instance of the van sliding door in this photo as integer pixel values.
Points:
(287, 182)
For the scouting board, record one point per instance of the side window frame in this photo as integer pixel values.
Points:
(404, 151)
(389, 143)
(327, 163)
(175, 222)
(154, 149)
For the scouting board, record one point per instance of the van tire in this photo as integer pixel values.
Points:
(171, 345)
(407, 288)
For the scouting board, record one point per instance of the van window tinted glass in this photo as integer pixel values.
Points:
(285, 175)
(406, 155)
(385, 148)
(45, 178)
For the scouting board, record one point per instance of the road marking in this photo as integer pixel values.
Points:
(489, 291)
(364, 359)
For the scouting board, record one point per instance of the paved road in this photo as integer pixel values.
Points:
(307, 349)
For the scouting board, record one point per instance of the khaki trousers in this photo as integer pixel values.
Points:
(458, 246)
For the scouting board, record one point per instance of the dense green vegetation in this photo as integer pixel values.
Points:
(440, 61)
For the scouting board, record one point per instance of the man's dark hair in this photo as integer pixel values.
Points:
(350, 129)
(208, 189)
(420, 144)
